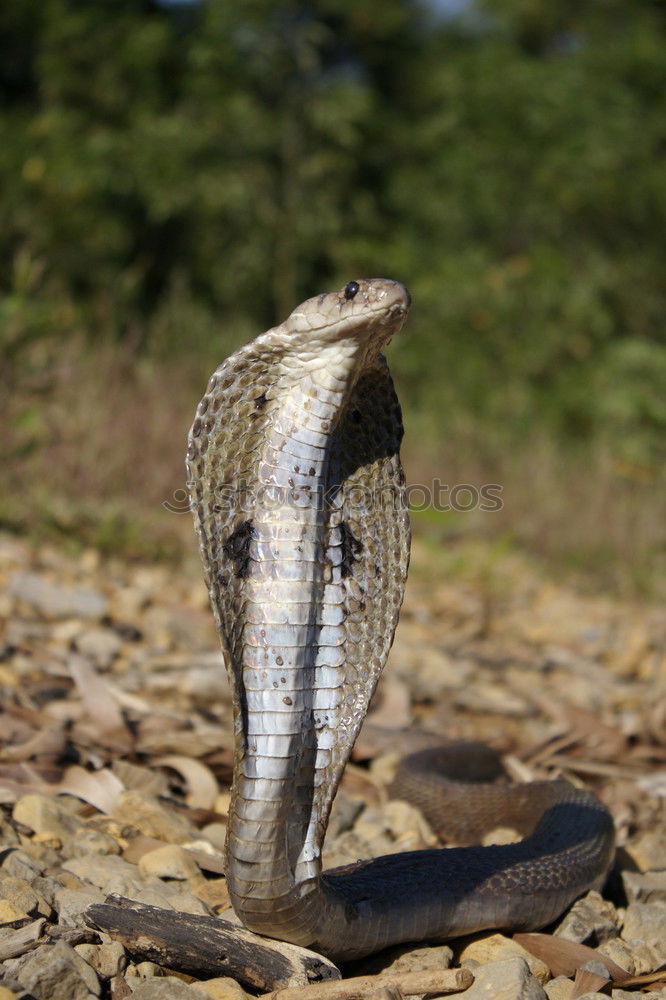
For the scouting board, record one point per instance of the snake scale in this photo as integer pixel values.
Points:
(299, 505)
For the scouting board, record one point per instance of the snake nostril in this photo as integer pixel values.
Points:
(351, 289)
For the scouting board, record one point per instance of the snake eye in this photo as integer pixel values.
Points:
(351, 289)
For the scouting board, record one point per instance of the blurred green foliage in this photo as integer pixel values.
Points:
(178, 177)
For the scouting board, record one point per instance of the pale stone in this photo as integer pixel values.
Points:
(647, 887)
(9, 913)
(107, 960)
(649, 850)
(509, 979)
(500, 835)
(45, 815)
(172, 896)
(646, 958)
(423, 959)
(55, 972)
(620, 952)
(72, 903)
(55, 600)
(222, 988)
(497, 947)
(20, 864)
(559, 988)
(146, 814)
(645, 923)
(169, 861)
(590, 921)
(91, 841)
(165, 988)
(23, 896)
(214, 892)
(107, 871)
(144, 970)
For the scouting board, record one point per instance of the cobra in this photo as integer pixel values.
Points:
(299, 505)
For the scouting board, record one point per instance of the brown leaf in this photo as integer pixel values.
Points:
(588, 982)
(647, 979)
(563, 957)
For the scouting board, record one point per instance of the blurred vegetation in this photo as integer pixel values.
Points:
(174, 178)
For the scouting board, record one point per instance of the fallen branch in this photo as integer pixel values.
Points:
(207, 947)
(19, 941)
(364, 987)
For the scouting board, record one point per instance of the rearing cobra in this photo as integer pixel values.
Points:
(299, 505)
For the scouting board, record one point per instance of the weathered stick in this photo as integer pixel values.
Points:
(19, 941)
(362, 987)
(207, 946)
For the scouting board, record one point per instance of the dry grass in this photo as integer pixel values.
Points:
(580, 512)
(96, 445)
(99, 447)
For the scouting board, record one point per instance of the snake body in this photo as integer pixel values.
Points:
(299, 506)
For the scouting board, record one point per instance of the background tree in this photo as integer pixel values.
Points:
(175, 177)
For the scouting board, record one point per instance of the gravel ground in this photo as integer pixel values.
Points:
(115, 759)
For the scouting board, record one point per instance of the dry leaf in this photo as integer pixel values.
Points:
(99, 702)
(101, 789)
(202, 787)
(588, 982)
(563, 957)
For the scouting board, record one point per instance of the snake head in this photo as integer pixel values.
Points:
(368, 310)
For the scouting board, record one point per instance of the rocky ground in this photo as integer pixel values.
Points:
(115, 754)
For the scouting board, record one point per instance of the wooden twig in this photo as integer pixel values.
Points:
(365, 987)
(207, 946)
(17, 942)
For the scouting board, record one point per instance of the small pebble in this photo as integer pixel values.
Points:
(495, 947)
(508, 979)
(590, 921)
(221, 989)
(169, 861)
(559, 988)
(45, 815)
